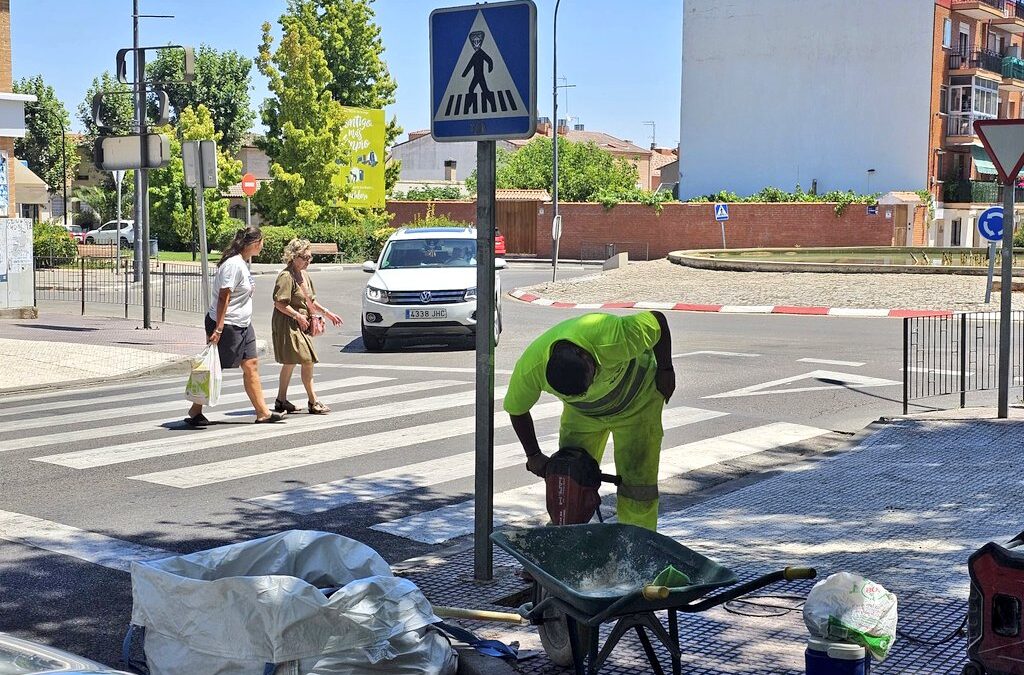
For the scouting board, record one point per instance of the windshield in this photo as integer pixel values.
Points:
(416, 253)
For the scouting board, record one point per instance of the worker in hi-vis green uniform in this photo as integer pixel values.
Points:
(614, 374)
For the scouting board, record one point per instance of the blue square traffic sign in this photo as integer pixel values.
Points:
(721, 212)
(483, 71)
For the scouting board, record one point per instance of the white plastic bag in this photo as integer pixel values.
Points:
(205, 378)
(851, 608)
(232, 610)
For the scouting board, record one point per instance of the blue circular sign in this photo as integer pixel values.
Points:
(990, 223)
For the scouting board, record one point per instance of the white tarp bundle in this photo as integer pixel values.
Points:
(232, 610)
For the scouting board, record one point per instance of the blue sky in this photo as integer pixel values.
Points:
(623, 56)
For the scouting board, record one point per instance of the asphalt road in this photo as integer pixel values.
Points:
(94, 479)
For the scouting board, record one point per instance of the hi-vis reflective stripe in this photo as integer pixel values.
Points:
(619, 398)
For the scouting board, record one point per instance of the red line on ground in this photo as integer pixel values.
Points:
(618, 305)
(791, 309)
(683, 307)
(904, 313)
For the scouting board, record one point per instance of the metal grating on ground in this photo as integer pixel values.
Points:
(905, 508)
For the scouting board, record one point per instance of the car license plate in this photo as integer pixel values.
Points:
(426, 314)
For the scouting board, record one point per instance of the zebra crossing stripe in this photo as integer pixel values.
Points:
(327, 451)
(71, 541)
(181, 404)
(175, 387)
(378, 485)
(327, 496)
(227, 434)
(410, 369)
(527, 502)
(77, 392)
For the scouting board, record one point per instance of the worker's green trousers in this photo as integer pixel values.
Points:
(637, 434)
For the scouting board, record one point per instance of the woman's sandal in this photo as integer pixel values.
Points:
(284, 406)
(198, 421)
(318, 408)
(273, 417)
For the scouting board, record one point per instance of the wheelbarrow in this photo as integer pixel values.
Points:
(588, 575)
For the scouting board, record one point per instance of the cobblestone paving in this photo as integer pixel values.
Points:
(905, 508)
(663, 281)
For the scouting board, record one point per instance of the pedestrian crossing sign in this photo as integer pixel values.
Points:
(721, 212)
(483, 71)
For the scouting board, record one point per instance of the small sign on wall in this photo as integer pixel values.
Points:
(5, 186)
(873, 210)
(888, 214)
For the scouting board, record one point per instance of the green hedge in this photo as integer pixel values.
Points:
(52, 240)
(274, 241)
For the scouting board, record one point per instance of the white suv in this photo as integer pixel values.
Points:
(107, 233)
(424, 283)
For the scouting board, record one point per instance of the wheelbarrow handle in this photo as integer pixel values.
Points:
(611, 478)
(788, 574)
(654, 592)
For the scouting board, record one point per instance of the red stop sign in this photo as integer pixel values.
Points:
(248, 185)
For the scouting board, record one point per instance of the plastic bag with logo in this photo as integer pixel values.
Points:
(849, 607)
(205, 378)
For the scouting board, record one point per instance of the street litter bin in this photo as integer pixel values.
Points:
(298, 601)
(154, 247)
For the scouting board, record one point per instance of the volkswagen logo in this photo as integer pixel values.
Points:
(425, 297)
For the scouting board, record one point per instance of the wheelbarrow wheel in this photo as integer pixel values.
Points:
(554, 636)
(973, 668)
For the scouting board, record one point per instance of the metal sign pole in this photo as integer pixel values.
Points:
(140, 113)
(483, 554)
(991, 270)
(248, 211)
(204, 260)
(118, 177)
(1005, 301)
(722, 223)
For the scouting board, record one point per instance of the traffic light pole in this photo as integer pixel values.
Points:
(142, 175)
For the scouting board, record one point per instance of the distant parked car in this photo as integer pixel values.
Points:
(21, 657)
(77, 233)
(108, 233)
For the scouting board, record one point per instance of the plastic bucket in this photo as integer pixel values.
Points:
(826, 657)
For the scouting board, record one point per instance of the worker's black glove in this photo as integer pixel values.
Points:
(536, 464)
(665, 381)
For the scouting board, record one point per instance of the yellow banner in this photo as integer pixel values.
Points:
(363, 133)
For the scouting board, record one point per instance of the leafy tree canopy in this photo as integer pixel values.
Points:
(41, 146)
(221, 84)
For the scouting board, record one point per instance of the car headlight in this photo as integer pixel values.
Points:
(377, 294)
(470, 294)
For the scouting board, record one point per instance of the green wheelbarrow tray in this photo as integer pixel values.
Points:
(592, 567)
(587, 575)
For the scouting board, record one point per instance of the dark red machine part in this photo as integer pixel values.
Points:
(995, 635)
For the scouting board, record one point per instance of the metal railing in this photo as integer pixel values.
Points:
(1013, 67)
(998, 4)
(173, 286)
(1014, 10)
(976, 192)
(603, 250)
(983, 59)
(946, 355)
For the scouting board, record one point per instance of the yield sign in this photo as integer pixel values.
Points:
(818, 380)
(1004, 141)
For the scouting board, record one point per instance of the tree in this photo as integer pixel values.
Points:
(308, 156)
(117, 113)
(585, 171)
(101, 201)
(222, 81)
(353, 53)
(41, 146)
(170, 200)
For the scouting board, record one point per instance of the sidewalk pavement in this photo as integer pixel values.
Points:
(904, 504)
(58, 350)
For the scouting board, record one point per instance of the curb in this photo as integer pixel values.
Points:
(858, 312)
(179, 366)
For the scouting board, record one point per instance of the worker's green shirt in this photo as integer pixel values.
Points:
(621, 347)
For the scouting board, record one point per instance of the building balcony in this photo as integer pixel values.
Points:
(1013, 75)
(974, 62)
(976, 192)
(981, 10)
(1013, 22)
(960, 128)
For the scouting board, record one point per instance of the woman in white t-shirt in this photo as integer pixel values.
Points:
(229, 323)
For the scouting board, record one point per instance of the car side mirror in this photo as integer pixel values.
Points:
(369, 267)
(500, 264)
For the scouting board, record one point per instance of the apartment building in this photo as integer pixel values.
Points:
(875, 96)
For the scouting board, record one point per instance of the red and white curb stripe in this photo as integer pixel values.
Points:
(733, 309)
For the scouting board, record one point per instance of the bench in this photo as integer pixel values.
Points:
(327, 249)
(97, 251)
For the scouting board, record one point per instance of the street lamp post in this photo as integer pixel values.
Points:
(63, 161)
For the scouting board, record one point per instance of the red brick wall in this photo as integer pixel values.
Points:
(687, 226)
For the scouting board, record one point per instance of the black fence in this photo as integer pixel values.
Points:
(107, 281)
(949, 355)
